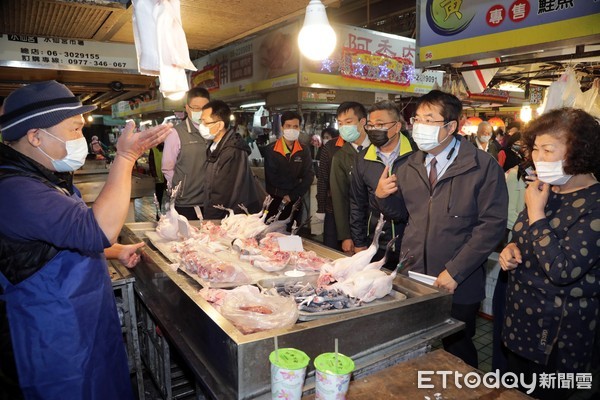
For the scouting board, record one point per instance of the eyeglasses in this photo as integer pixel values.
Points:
(195, 108)
(380, 126)
(211, 123)
(426, 121)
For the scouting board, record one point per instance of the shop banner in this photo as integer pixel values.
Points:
(74, 54)
(464, 30)
(369, 60)
(259, 64)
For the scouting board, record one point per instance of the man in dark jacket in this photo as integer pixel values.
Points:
(352, 117)
(228, 178)
(388, 150)
(457, 202)
(288, 167)
(324, 201)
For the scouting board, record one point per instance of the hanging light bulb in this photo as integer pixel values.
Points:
(526, 113)
(176, 95)
(317, 38)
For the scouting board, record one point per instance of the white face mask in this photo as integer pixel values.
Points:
(426, 136)
(205, 132)
(551, 172)
(77, 151)
(291, 134)
(195, 117)
(484, 139)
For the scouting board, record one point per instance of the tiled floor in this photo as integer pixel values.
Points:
(144, 210)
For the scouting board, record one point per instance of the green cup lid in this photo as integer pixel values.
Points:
(326, 363)
(289, 358)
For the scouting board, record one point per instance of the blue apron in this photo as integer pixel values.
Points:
(65, 331)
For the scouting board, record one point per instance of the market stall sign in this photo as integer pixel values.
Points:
(207, 78)
(464, 30)
(74, 54)
(262, 63)
(124, 109)
(312, 96)
(369, 60)
(360, 64)
(491, 95)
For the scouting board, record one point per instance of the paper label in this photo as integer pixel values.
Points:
(290, 243)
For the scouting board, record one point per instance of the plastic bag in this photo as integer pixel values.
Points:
(251, 311)
(587, 100)
(563, 92)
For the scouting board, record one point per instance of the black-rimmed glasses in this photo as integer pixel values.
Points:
(380, 126)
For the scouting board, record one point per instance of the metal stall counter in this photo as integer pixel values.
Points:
(230, 365)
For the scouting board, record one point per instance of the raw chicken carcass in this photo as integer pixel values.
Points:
(170, 224)
(340, 269)
(367, 285)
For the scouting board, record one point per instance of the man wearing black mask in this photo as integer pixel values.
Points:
(388, 150)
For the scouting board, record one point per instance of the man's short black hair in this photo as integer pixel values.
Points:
(220, 111)
(359, 110)
(197, 92)
(289, 115)
(450, 106)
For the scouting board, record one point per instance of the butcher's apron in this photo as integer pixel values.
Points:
(65, 331)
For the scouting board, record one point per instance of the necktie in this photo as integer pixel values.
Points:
(433, 172)
(359, 148)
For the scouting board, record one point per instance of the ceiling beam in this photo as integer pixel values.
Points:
(537, 60)
(123, 96)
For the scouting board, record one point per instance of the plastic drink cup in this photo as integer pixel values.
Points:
(288, 369)
(331, 379)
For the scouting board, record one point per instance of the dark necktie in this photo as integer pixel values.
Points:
(433, 172)
(359, 148)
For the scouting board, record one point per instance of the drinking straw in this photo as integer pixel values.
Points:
(336, 355)
(277, 349)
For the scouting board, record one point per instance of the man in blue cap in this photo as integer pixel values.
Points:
(60, 336)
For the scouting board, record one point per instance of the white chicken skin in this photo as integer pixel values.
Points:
(340, 269)
(367, 285)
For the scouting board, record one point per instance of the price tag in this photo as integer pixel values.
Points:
(290, 243)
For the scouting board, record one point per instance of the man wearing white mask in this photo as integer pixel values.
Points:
(484, 134)
(352, 117)
(184, 155)
(457, 203)
(228, 178)
(288, 167)
(60, 336)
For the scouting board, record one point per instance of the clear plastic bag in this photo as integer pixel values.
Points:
(587, 101)
(251, 311)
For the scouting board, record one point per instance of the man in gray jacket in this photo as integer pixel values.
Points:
(457, 202)
(184, 155)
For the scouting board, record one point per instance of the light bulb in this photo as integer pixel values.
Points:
(317, 38)
(176, 95)
(526, 113)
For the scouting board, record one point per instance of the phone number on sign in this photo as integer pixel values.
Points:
(96, 63)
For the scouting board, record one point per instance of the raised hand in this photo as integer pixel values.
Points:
(132, 144)
(387, 184)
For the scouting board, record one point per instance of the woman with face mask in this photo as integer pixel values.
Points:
(552, 305)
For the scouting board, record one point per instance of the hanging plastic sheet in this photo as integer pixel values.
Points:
(160, 43)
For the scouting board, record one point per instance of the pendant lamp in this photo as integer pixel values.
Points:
(317, 38)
